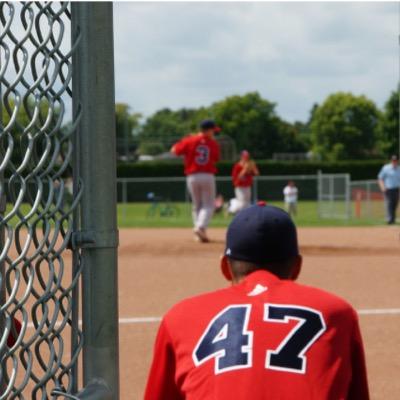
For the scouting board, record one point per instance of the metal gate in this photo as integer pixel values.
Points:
(334, 196)
(58, 238)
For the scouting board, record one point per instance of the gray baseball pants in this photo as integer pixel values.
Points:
(202, 192)
(243, 196)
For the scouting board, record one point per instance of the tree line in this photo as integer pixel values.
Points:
(343, 127)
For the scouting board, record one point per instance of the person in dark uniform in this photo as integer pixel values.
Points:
(389, 183)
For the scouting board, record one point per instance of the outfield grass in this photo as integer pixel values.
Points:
(135, 215)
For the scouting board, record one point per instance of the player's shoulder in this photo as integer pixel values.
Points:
(200, 303)
(327, 302)
(189, 137)
(333, 307)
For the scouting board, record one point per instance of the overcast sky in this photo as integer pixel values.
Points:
(295, 54)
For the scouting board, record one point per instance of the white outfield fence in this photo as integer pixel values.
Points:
(336, 196)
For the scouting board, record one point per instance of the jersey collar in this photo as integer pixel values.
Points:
(260, 276)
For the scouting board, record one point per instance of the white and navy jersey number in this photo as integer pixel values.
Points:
(202, 154)
(290, 354)
(228, 341)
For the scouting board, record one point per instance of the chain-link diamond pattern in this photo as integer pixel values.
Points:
(37, 274)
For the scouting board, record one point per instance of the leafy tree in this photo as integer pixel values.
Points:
(151, 148)
(294, 137)
(253, 123)
(164, 127)
(302, 136)
(249, 120)
(314, 109)
(127, 125)
(389, 125)
(345, 127)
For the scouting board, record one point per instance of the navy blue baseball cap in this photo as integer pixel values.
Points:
(260, 234)
(209, 124)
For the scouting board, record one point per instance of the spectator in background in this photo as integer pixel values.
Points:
(389, 183)
(242, 176)
(291, 194)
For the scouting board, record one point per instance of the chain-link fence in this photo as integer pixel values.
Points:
(41, 221)
(36, 147)
(367, 200)
(132, 190)
(142, 197)
(334, 196)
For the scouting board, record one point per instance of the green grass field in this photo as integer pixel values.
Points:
(135, 215)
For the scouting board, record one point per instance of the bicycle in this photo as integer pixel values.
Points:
(160, 208)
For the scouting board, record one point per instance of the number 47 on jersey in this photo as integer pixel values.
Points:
(228, 340)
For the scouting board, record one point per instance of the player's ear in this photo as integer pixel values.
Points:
(225, 268)
(298, 262)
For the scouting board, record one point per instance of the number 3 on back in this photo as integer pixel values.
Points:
(228, 340)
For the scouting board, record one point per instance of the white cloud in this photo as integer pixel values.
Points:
(191, 54)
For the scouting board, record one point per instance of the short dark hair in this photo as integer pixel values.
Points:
(282, 269)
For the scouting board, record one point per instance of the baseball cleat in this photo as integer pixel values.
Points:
(201, 235)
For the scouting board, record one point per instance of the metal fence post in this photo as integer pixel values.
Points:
(3, 206)
(319, 193)
(331, 194)
(97, 166)
(348, 196)
(369, 208)
(125, 198)
(255, 189)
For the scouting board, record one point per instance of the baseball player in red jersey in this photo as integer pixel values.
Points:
(201, 153)
(243, 173)
(264, 338)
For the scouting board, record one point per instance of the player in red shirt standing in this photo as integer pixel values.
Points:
(242, 177)
(201, 153)
(264, 338)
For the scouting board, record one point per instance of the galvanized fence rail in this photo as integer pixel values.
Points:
(132, 190)
(41, 136)
(335, 194)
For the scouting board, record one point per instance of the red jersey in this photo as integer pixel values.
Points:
(263, 339)
(243, 181)
(200, 152)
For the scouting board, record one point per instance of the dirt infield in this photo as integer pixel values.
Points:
(158, 267)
